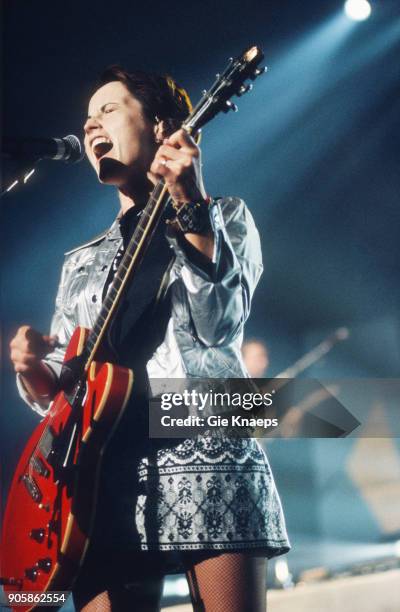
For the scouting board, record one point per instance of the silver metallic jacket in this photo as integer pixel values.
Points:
(205, 330)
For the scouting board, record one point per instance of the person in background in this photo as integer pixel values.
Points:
(255, 357)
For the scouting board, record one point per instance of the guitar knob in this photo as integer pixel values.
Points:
(31, 573)
(37, 535)
(44, 564)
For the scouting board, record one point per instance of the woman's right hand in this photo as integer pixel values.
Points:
(28, 347)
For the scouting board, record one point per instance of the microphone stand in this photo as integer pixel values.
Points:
(22, 175)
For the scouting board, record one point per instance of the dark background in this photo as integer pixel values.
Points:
(313, 150)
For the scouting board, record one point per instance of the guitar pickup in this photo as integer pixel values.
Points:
(39, 466)
(32, 488)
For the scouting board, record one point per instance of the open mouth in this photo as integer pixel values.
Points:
(101, 145)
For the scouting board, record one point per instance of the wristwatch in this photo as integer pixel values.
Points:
(193, 217)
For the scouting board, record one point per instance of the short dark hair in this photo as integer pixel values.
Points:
(161, 97)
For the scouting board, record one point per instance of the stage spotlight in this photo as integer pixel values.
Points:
(174, 587)
(357, 10)
(181, 587)
(283, 577)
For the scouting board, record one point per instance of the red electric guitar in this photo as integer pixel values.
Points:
(51, 504)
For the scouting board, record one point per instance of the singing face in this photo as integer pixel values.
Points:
(119, 138)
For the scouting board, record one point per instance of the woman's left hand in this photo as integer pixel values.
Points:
(178, 162)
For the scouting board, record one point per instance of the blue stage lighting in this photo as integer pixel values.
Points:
(357, 10)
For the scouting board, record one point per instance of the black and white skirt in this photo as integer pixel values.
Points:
(209, 493)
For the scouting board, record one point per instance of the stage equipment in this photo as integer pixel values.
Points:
(357, 10)
(67, 149)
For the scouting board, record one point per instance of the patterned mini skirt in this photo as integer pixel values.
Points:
(209, 493)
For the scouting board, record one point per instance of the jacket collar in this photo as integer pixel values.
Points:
(112, 233)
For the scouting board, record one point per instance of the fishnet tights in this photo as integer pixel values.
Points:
(100, 603)
(231, 582)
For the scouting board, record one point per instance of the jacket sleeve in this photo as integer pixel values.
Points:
(54, 359)
(220, 296)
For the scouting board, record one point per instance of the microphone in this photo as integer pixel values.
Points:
(67, 149)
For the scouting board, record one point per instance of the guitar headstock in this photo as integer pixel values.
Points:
(231, 82)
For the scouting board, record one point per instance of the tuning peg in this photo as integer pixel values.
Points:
(230, 106)
(203, 92)
(244, 89)
(258, 71)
